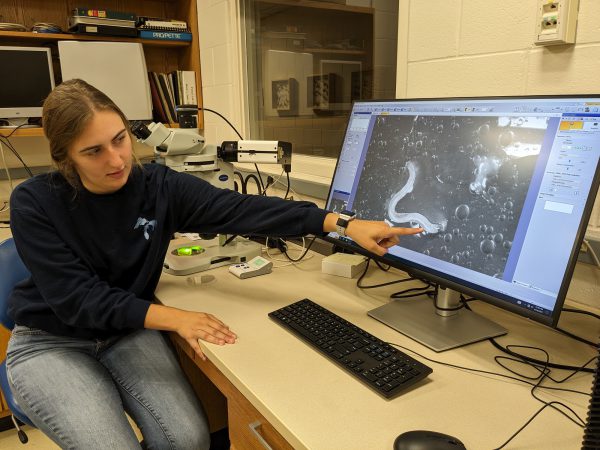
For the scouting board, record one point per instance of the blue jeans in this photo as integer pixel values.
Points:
(77, 391)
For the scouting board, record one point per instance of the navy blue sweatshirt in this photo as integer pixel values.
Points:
(96, 259)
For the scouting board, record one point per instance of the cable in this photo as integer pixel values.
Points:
(231, 238)
(577, 338)
(581, 311)
(592, 252)
(287, 191)
(407, 293)
(6, 142)
(287, 261)
(552, 404)
(305, 250)
(13, 130)
(242, 181)
(251, 176)
(201, 108)
(10, 183)
(535, 361)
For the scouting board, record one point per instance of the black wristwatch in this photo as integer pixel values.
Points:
(343, 221)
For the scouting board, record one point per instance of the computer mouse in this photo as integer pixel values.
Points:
(427, 440)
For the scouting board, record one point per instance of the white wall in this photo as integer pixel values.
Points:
(221, 65)
(475, 47)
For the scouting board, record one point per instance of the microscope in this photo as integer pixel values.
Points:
(184, 149)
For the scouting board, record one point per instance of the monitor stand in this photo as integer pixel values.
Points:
(437, 329)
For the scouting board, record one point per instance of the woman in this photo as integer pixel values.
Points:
(87, 345)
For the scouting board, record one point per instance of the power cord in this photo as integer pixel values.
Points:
(554, 404)
(592, 252)
(6, 142)
(201, 108)
(312, 241)
(288, 261)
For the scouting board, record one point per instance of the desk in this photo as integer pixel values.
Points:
(312, 404)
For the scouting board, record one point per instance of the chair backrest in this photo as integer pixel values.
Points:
(12, 270)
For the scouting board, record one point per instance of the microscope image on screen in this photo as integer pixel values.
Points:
(462, 179)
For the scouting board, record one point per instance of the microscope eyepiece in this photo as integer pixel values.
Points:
(140, 130)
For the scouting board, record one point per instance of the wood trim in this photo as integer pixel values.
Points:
(321, 5)
(54, 37)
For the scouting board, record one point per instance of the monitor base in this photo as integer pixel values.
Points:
(417, 319)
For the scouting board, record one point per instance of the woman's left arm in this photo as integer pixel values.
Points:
(374, 236)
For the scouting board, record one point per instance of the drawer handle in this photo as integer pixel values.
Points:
(254, 428)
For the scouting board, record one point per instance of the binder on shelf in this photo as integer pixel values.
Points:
(157, 105)
(188, 87)
(166, 35)
(102, 13)
(103, 30)
(76, 20)
(153, 23)
(165, 97)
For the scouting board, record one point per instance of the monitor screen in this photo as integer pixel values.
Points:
(502, 186)
(26, 78)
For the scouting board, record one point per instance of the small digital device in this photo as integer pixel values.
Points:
(503, 188)
(26, 79)
(256, 266)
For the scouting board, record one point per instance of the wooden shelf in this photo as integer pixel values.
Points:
(335, 51)
(36, 37)
(321, 5)
(21, 132)
(38, 131)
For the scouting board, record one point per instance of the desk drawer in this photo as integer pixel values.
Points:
(249, 430)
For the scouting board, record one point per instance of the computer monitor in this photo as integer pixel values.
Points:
(26, 78)
(503, 187)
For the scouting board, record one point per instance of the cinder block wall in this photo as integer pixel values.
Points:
(451, 48)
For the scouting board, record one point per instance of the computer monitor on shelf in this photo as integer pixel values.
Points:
(503, 187)
(26, 78)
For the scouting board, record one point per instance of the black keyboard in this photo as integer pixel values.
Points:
(377, 364)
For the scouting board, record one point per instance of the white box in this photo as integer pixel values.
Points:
(116, 68)
(344, 265)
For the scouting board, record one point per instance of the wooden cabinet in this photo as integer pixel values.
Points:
(226, 405)
(161, 56)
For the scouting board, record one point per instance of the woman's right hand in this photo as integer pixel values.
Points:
(199, 325)
(190, 325)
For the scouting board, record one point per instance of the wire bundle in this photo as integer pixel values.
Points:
(46, 27)
(6, 26)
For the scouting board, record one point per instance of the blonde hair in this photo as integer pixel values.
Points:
(66, 112)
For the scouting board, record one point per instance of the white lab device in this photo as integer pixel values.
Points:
(256, 266)
(343, 265)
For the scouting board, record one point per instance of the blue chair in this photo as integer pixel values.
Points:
(12, 271)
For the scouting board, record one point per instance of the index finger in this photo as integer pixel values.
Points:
(405, 231)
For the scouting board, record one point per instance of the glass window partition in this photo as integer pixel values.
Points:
(308, 61)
